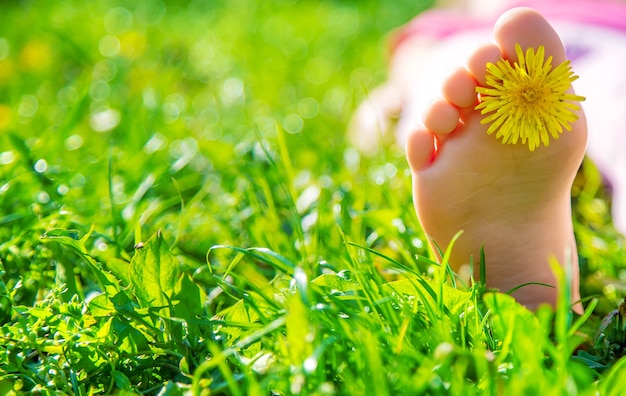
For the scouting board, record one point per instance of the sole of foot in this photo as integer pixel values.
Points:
(510, 201)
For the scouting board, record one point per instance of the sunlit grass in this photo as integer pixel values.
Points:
(179, 212)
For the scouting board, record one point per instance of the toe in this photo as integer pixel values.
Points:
(489, 53)
(523, 26)
(441, 117)
(460, 88)
(421, 147)
(529, 29)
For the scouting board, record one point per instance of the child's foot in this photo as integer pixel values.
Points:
(513, 201)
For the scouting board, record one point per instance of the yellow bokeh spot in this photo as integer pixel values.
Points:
(36, 56)
(5, 117)
(7, 71)
(133, 45)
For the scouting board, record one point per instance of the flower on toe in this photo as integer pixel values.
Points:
(528, 100)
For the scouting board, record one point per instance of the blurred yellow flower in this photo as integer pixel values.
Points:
(529, 100)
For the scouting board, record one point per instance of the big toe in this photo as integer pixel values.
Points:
(529, 29)
(523, 26)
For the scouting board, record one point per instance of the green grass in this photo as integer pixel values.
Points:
(180, 213)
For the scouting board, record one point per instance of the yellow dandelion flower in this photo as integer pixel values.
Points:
(528, 100)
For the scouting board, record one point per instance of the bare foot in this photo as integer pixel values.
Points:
(514, 202)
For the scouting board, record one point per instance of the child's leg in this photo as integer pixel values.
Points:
(514, 202)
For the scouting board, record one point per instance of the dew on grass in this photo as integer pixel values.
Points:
(297, 382)
(293, 123)
(183, 152)
(73, 142)
(63, 189)
(337, 209)
(345, 274)
(399, 224)
(173, 106)
(299, 279)
(327, 388)
(390, 170)
(7, 157)
(505, 367)
(310, 364)
(308, 107)
(418, 243)
(303, 178)
(261, 151)
(43, 197)
(104, 120)
(154, 144)
(371, 238)
(443, 350)
(232, 91)
(28, 106)
(149, 98)
(382, 174)
(41, 165)
(307, 198)
(609, 291)
(109, 46)
(262, 364)
(309, 221)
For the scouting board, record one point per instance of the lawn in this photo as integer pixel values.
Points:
(180, 213)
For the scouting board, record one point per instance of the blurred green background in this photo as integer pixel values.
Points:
(215, 121)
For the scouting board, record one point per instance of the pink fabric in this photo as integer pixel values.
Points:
(440, 23)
